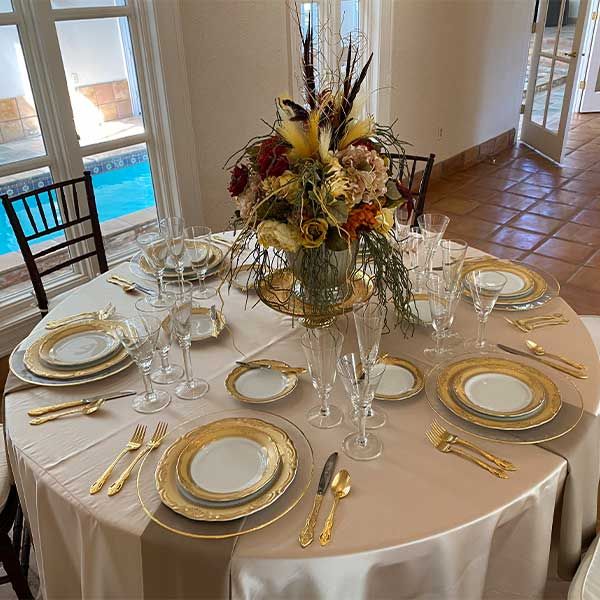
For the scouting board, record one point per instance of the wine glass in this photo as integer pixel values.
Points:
(199, 249)
(442, 304)
(453, 258)
(322, 348)
(416, 256)
(432, 226)
(167, 373)
(402, 222)
(369, 318)
(360, 386)
(138, 336)
(191, 388)
(172, 230)
(154, 247)
(485, 288)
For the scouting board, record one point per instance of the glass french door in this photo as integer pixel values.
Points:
(71, 99)
(554, 63)
(590, 97)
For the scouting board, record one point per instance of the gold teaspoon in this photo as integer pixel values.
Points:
(340, 486)
(86, 410)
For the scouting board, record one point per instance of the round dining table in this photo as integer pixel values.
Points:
(416, 524)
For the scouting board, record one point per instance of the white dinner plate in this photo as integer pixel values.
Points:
(515, 285)
(498, 393)
(82, 348)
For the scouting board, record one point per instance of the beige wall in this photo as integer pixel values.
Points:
(237, 54)
(456, 65)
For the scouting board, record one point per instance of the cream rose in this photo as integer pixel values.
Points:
(313, 232)
(385, 220)
(274, 234)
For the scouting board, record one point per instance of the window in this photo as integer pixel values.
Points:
(84, 108)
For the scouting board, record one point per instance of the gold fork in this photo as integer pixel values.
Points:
(157, 438)
(443, 446)
(100, 315)
(134, 443)
(451, 438)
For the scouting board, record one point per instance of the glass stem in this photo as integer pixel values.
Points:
(438, 342)
(324, 398)
(481, 332)
(362, 425)
(161, 284)
(150, 393)
(187, 363)
(201, 278)
(164, 359)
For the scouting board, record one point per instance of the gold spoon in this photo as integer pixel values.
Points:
(340, 486)
(86, 410)
(539, 351)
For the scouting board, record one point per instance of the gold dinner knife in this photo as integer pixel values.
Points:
(42, 410)
(307, 534)
(548, 363)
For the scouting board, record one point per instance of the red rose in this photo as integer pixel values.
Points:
(272, 158)
(368, 144)
(239, 179)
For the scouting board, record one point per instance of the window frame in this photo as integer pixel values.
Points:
(174, 176)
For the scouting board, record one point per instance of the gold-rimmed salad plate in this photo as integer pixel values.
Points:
(261, 385)
(166, 479)
(510, 381)
(420, 309)
(401, 379)
(203, 327)
(228, 461)
(244, 278)
(79, 344)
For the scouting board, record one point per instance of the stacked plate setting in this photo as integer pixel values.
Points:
(140, 266)
(498, 393)
(524, 285)
(86, 351)
(226, 470)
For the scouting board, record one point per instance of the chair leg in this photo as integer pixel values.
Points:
(18, 528)
(11, 564)
(26, 550)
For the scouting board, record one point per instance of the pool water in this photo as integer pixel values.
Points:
(118, 192)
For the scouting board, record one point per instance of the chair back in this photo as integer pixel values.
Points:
(46, 211)
(416, 174)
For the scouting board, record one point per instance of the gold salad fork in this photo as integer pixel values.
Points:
(439, 444)
(157, 438)
(134, 443)
(446, 436)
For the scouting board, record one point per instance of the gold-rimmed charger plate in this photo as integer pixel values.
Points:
(252, 477)
(405, 371)
(531, 386)
(535, 284)
(260, 386)
(171, 496)
(97, 343)
(552, 398)
(33, 362)
(276, 292)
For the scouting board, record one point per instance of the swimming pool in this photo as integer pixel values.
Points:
(118, 192)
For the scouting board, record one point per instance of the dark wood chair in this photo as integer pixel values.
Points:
(14, 553)
(417, 172)
(47, 211)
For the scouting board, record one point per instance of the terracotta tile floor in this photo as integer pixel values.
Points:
(525, 207)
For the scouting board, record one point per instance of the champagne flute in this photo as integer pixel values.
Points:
(138, 335)
(485, 288)
(172, 230)
(192, 387)
(432, 226)
(167, 373)
(199, 248)
(360, 387)
(154, 247)
(322, 347)
(369, 318)
(442, 304)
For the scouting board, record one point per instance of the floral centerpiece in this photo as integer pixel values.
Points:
(317, 193)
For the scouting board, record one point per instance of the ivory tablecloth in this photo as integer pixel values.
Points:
(417, 523)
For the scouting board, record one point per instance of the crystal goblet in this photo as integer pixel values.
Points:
(172, 230)
(138, 335)
(199, 248)
(322, 347)
(442, 304)
(154, 247)
(192, 387)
